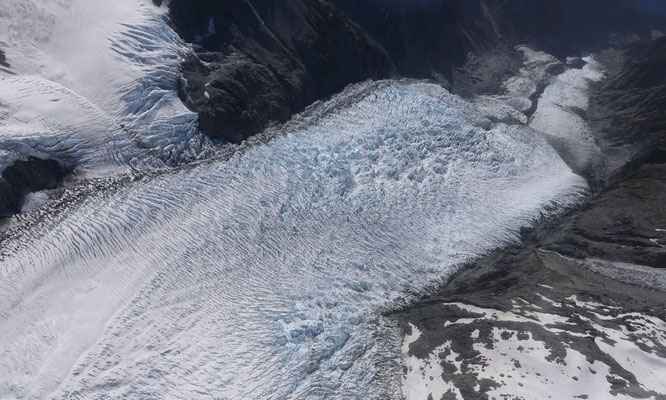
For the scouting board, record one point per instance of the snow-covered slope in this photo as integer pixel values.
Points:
(257, 276)
(92, 83)
(262, 276)
(522, 363)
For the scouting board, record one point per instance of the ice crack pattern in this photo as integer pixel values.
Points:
(261, 276)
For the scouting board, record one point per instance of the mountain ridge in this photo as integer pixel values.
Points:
(265, 61)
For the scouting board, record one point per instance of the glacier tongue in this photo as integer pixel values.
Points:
(261, 276)
(92, 83)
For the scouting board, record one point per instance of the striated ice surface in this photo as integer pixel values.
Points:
(263, 275)
(92, 83)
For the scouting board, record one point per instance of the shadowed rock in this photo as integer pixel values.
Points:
(23, 177)
(262, 60)
(3, 60)
(267, 60)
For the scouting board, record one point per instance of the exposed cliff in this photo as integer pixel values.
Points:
(263, 60)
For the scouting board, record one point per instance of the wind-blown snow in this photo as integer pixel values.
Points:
(261, 276)
(92, 82)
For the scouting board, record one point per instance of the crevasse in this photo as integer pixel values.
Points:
(261, 276)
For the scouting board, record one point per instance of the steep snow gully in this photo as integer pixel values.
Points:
(260, 273)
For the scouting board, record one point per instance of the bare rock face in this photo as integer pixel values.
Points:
(625, 223)
(262, 60)
(426, 38)
(632, 103)
(3, 60)
(23, 177)
(266, 60)
(569, 27)
(10, 199)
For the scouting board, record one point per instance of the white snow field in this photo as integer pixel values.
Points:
(92, 83)
(264, 275)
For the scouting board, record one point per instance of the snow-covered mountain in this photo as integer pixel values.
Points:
(261, 276)
(92, 84)
(173, 266)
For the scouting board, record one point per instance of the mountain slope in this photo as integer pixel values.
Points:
(259, 61)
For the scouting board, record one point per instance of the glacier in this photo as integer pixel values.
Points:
(264, 274)
(184, 269)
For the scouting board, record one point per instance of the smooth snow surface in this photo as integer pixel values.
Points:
(564, 99)
(92, 83)
(261, 276)
(557, 112)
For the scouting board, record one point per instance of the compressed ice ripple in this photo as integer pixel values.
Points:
(261, 276)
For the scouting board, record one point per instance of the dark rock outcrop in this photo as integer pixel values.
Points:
(3, 60)
(426, 38)
(630, 108)
(267, 60)
(264, 60)
(23, 177)
(626, 222)
(569, 27)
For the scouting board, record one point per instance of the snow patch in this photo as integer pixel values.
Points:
(423, 377)
(525, 366)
